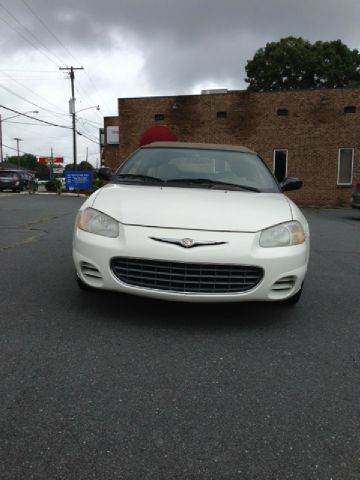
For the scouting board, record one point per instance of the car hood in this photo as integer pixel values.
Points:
(192, 208)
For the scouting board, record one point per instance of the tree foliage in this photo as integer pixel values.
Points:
(26, 161)
(294, 63)
(30, 162)
(84, 165)
(42, 172)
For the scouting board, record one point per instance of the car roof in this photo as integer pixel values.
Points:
(200, 146)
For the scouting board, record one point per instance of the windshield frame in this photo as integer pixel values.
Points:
(125, 169)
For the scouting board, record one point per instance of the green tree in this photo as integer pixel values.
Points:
(85, 166)
(42, 172)
(27, 161)
(294, 63)
(79, 166)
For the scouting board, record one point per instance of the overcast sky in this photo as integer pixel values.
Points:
(135, 48)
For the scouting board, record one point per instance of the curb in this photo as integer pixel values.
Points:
(11, 194)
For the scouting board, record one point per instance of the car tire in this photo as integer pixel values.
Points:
(292, 301)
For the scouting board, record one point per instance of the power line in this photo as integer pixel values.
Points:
(88, 138)
(82, 99)
(48, 30)
(29, 123)
(45, 122)
(62, 45)
(24, 153)
(44, 46)
(29, 32)
(36, 119)
(35, 93)
(27, 40)
(32, 71)
(89, 123)
(31, 103)
(95, 87)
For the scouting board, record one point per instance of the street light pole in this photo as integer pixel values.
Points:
(87, 108)
(18, 151)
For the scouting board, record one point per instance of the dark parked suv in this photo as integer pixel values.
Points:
(16, 180)
(355, 197)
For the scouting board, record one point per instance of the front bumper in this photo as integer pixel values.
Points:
(284, 268)
(10, 185)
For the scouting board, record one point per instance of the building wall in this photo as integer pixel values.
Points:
(111, 153)
(312, 132)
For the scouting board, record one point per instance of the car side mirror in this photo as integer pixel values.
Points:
(105, 173)
(291, 183)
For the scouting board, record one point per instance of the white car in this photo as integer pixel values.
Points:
(193, 222)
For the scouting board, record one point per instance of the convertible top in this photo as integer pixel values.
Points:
(200, 146)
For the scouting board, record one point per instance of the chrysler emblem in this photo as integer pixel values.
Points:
(187, 242)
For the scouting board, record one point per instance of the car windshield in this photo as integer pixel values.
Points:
(7, 174)
(200, 168)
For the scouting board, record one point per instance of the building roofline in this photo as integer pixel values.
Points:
(233, 92)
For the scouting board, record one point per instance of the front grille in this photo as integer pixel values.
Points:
(186, 277)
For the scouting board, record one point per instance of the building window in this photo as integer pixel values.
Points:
(282, 112)
(350, 109)
(280, 164)
(345, 166)
(159, 117)
(221, 114)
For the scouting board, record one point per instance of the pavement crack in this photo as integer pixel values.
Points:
(30, 227)
(26, 241)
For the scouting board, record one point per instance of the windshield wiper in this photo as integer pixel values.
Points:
(145, 178)
(212, 183)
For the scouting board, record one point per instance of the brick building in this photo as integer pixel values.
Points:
(311, 134)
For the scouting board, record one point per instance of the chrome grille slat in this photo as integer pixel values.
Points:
(189, 275)
(190, 282)
(186, 277)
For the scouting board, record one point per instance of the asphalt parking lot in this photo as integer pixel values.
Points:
(104, 386)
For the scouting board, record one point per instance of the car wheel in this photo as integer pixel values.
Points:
(84, 286)
(294, 299)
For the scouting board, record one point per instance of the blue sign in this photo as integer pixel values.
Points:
(78, 180)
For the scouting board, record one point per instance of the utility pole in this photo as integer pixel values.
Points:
(72, 104)
(18, 150)
(51, 164)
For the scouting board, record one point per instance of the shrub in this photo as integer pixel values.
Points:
(97, 183)
(53, 185)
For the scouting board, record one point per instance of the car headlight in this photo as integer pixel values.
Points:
(96, 222)
(283, 235)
